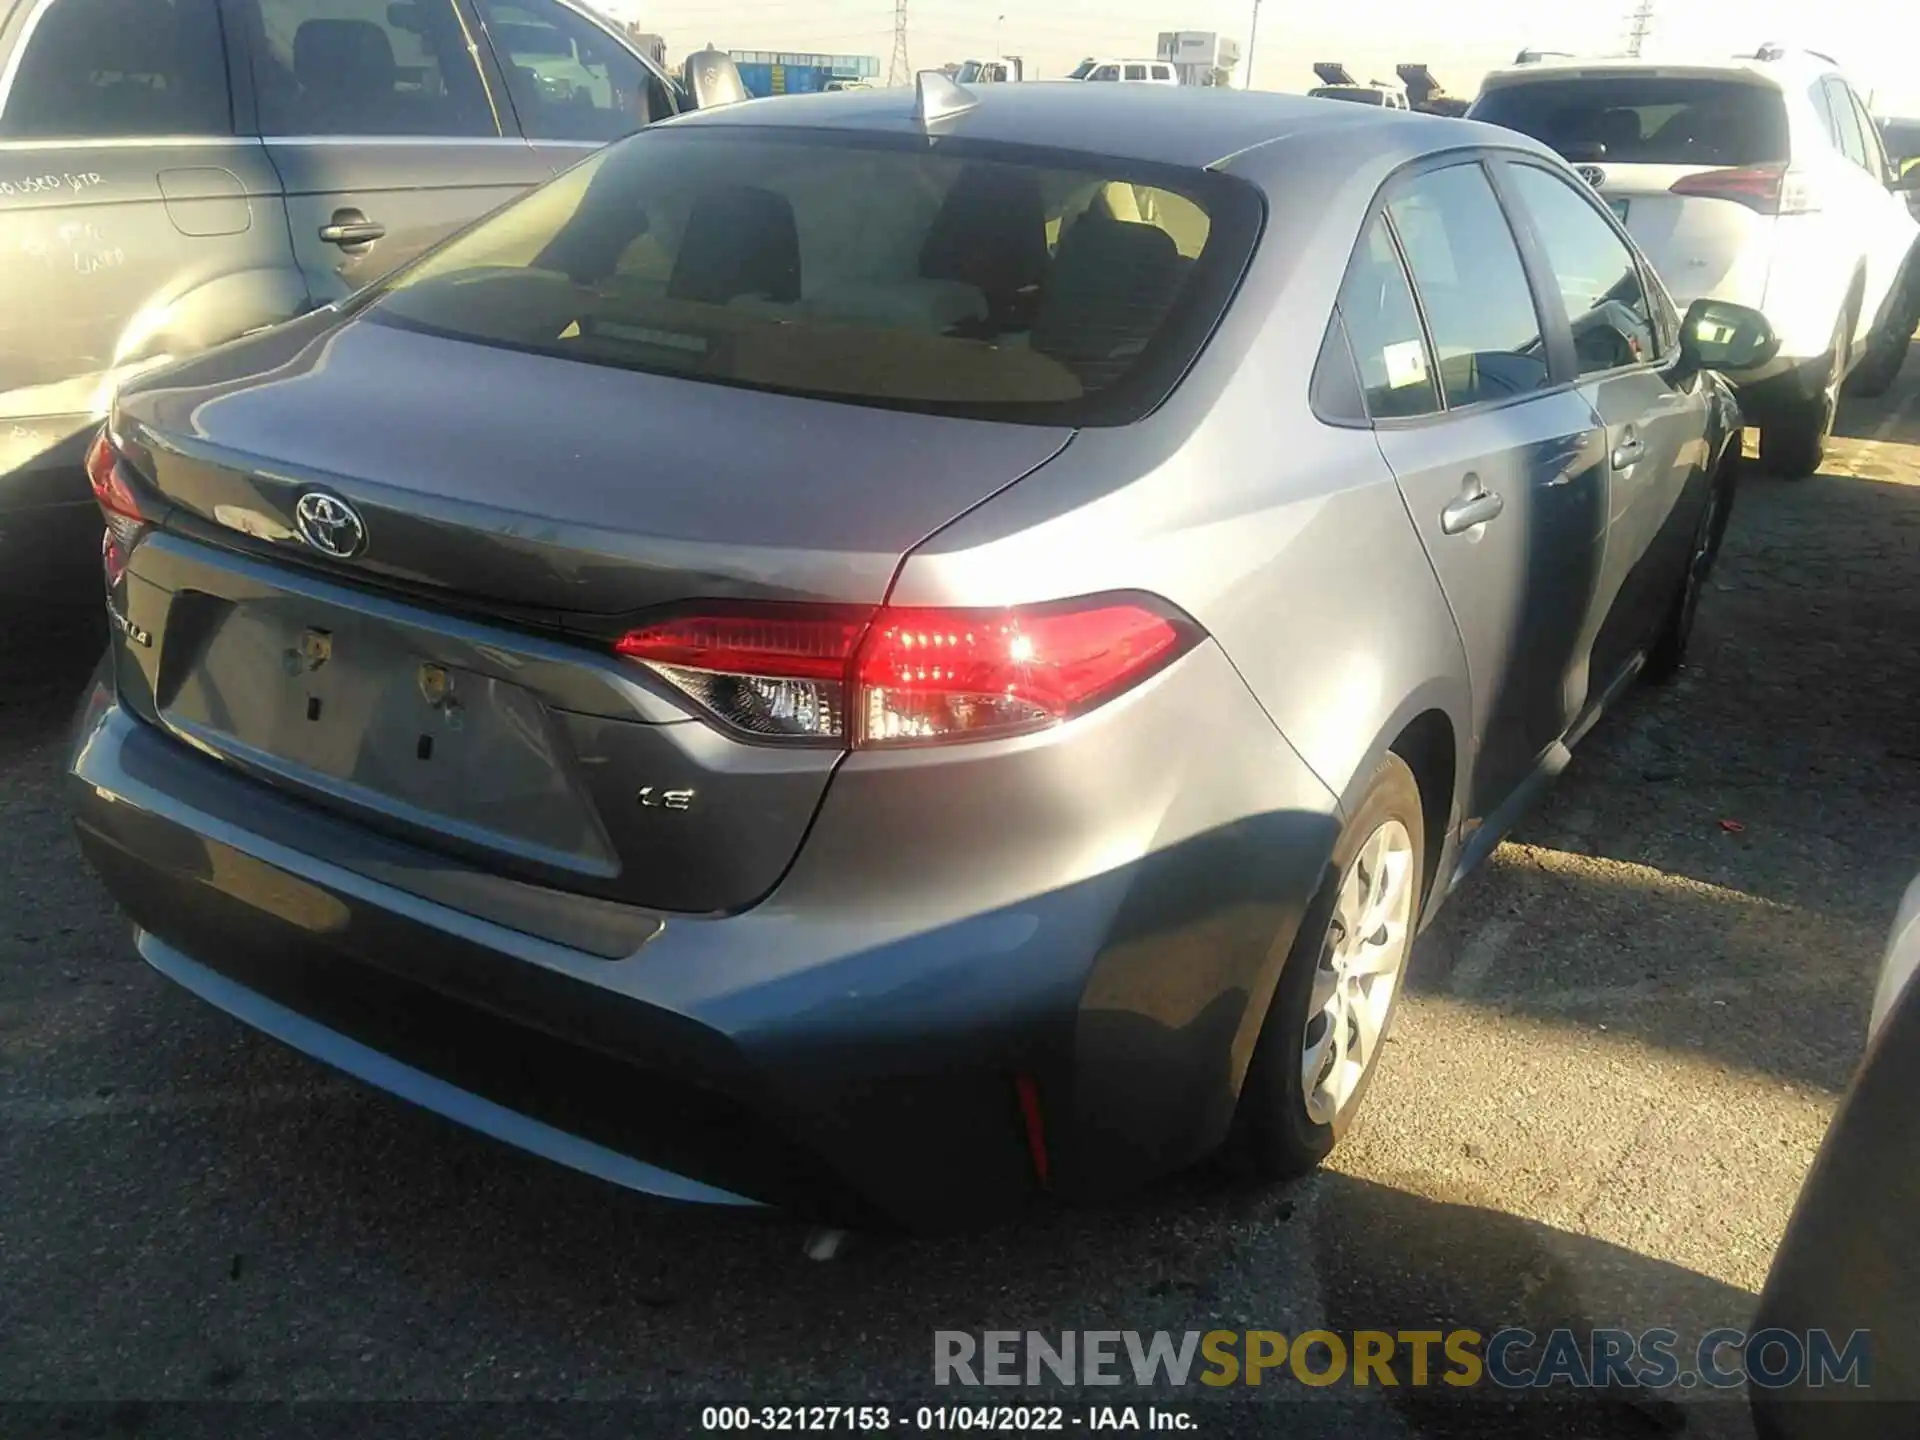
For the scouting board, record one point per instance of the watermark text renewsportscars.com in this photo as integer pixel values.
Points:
(1509, 1359)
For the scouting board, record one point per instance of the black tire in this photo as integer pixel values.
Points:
(1669, 650)
(1793, 443)
(1888, 346)
(1273, 1136)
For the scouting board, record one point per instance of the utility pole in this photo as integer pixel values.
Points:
(1639, 26)
(899, 68)
(1253, 34)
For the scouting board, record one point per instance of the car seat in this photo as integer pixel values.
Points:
(1110, 287)
(346, 73)
(740, 241)
(991, 233)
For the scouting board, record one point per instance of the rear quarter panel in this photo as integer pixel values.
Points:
(1285, 537)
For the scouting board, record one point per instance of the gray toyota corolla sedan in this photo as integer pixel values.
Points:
(886, 654)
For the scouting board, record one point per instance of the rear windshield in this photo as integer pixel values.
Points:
(898, 271)
(1646, 119)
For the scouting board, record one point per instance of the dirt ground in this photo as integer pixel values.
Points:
(1620, 1048)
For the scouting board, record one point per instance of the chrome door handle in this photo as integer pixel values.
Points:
(1475, 507)
(349, 227)
(1628, 451)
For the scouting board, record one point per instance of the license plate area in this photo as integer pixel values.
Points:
(355, 709)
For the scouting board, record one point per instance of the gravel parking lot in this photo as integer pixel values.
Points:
(1623, 1043)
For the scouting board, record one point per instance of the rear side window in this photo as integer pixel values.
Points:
(1646, 119)
(1466, 268)
(1876, 156)
(1846, 123)
(962, 279)
(357, 67)
(100, 69)
(1136, 72)
(1599, 282)
(1383, 330)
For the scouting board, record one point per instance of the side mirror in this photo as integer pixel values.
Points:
(712, 79)
(1719, 335)
(1907, 183)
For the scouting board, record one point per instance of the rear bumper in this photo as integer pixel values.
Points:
(846, 1050)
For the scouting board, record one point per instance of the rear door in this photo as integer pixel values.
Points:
(1502, 468)
(384, 128)
(134, 224)
(1624, 347)
(573, 85)
(1875, 214)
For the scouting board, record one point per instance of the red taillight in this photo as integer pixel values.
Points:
(118, 505)
(902, 676)
(779, 673)
(109, 486)
(1766, 189)
(946, 674)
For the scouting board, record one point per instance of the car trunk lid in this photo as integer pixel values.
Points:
(454, 684)
(487, 475)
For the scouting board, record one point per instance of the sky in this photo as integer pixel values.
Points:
(1459, 40)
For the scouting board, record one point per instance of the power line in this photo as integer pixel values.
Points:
(899, 67)
(1639, 25)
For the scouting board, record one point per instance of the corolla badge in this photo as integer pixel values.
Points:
(330, 525)
(1592, 174)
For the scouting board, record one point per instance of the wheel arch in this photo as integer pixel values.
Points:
(1431, 731)
(1428, 745)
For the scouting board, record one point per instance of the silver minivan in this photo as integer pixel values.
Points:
(174, 173)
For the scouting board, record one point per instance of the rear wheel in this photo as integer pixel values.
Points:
(1321, 1042)
(1669, 650)
(1794, 442)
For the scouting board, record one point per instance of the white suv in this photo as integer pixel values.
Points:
(1138, 72)
(1760, 180)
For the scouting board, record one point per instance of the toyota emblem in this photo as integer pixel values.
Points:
(330, 525)
(1592, 174)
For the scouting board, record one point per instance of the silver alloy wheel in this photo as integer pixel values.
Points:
(1360, 963)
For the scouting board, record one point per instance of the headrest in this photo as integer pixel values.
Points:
(343, 57)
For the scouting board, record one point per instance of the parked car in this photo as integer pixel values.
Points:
(1339, 83)
(1137, 72)
(1377, 92)
(515, 703)
(1759, 179)
(1848, 1262)
(175, 179)
(1901, 140)
(1004, 70)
